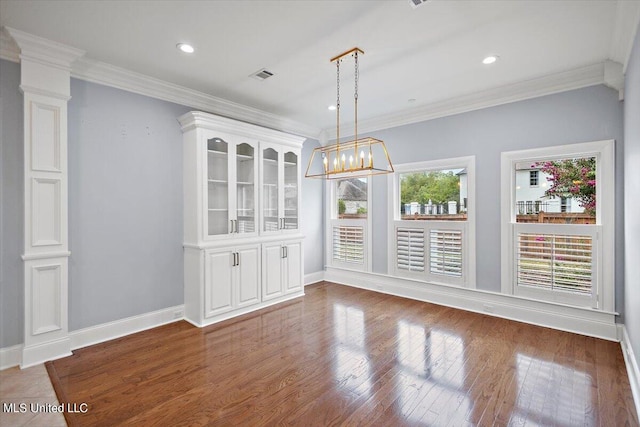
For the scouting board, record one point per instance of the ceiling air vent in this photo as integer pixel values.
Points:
(416, 3)
(261, 74)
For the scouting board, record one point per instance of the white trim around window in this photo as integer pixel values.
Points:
(421, 264)
(603, 231)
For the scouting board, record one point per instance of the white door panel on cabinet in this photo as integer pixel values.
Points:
(218, 296)
(248, 272)
(293, 261)
(272, 271)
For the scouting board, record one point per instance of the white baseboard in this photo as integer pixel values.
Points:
(556, 316)
(311, 278)
(633, 372)
(119, 328)
(10, 356)
(246, 310)
(18, 355)
(37, 354)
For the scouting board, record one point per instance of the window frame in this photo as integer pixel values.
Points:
(331, 215)
(604, 152)
(468, 279)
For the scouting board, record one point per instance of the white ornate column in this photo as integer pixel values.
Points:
(45, 68)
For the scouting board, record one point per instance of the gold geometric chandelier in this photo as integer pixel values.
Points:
(356, 158)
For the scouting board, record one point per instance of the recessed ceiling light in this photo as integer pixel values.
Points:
(332, 107)
(186, 48)
(490, 59)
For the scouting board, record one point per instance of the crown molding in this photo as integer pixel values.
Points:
(44, 51)
(9, 50)
(614, 77)
(590, 75)
(625, 27)
(121, 78)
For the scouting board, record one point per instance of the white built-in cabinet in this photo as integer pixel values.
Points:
(242, 243)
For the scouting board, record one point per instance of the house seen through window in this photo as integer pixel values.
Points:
(352, 198)
(564, 191)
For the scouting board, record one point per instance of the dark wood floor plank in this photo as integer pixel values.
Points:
(342, 356)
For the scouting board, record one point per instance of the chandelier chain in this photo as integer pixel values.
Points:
(338, 84)
(355, 102)
(338, 105)
(357, 72)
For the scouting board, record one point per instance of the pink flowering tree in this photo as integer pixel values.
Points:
(575, 178)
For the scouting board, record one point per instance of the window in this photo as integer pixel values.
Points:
(432, 235)
(562, 251)
(349, 223)
(533, 178)
(352, 198)
(434, 194)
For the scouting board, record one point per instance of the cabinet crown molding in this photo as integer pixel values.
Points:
(201, 120)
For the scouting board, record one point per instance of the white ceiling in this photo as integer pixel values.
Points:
(431, 53)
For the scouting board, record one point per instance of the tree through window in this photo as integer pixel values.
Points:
(434, 194)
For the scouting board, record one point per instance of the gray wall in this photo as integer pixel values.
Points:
(632, 197)
(312, 214)
(11, 206)
(583, 115)
(125, 204)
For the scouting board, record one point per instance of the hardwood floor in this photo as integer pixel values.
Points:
(345, 356)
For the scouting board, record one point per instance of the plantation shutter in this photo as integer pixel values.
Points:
(410, 249)
(555, 262)
(445, 252)
(348, 244)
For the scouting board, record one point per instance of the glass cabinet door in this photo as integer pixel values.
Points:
(290, 191)
(245, 189)
(218, 184)
(270, 195)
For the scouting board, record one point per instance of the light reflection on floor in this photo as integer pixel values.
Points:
(352, 370)
(433, 367)
(551, 393)
(433, 385)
